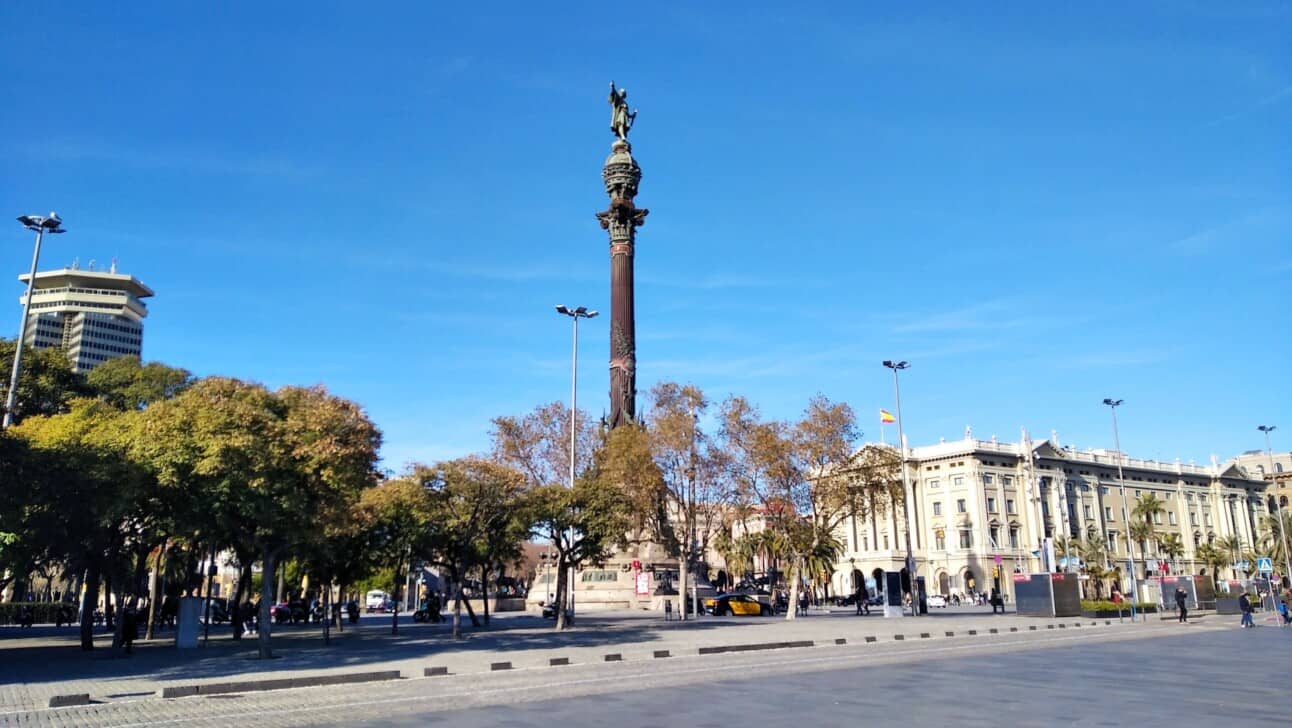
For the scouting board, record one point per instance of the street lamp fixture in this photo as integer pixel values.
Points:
(1113, 404)
(906, 485)
(40, 224)
(575, 314)
(1278, 506)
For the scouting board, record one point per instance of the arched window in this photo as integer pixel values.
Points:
(1283, 501)
(1278, 467)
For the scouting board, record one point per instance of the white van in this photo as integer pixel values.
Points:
(376, 600)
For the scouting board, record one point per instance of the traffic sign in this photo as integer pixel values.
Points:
(1265, 564)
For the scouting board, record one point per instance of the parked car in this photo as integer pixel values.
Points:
(736, 604)
(377, 600)
(937, 600)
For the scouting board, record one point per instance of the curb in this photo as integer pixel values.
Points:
(250, 686)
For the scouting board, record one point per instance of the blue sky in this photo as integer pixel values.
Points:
(1038, 208)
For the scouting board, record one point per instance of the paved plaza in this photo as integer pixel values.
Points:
(645, 650)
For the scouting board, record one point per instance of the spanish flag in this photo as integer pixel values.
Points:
(886, 417)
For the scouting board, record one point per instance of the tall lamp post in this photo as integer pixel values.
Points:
(41, 224)
(906, 484)
(575, 314)
(1278, 507)
(1113, 404)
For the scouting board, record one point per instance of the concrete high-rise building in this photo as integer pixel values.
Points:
(92, 315)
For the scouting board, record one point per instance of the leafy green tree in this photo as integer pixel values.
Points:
(128, 384)
(696, 491)
(805, 475)
(471, 497)
(398, 518)
(46, 386)
(538, 445)
(1214, 557)
(91, 506)
(1172, 546)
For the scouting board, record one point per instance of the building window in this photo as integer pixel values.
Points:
(960, 505)
(1013, 537)
(937, 508)
(1206, 519)
(986, 478)
(1112, 542)
(1108, 513)
(994, 531)
(966, 539)
(940, 541)
(599, 576)
(885, 542)
(1103, 490)
(991, 505)
(1278, 467)
(1170, 518)
(933, 483)
(1193, 519)
(1007, 480)
(958, 480)
(1045, 508)
(1157, 518)
(1087, 512)
(1009, 505)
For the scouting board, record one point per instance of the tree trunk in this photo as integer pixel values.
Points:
(340, 618)
(484, 580)
(471, 613)
(394, 613)
(792, 612)
(560, 591)
(457, 609)
(154, 590)
(681, 585)
(282, 581)
(266, 601)
(239, 592)
(89, 601)
(326, 600)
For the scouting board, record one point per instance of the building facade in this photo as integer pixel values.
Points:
(983, 508)
(92, 315)
(1278, 473)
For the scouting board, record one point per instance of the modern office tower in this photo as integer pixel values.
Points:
(92, 315)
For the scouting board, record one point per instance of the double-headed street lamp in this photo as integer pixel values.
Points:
(41, 224)
(575, 314)
(1278, 506)
(906, 485)
(1113, 404)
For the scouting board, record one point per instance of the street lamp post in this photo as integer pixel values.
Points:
(41, 224)
(906, 484)
(1113, 404)
(575, 314)
(1278, 507)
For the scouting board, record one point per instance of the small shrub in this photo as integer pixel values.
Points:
(43, 611)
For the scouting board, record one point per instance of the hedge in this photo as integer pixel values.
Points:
(43, 611)
(1107, 606)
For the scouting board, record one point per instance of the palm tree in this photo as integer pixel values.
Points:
(1094, 554)
(1142, 532)
(1214, 557)
(1273, 542)
(1232, 545)
(1172, 546)
(1148, 508)
(1067, 548)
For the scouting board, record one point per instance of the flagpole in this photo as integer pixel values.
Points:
(881, 433)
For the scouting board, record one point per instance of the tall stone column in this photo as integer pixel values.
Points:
(621, 175)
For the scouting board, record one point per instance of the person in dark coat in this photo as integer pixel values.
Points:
(1245, 606)
(1181, 598)
(129, 628)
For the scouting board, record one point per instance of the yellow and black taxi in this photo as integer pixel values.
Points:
(736, 604)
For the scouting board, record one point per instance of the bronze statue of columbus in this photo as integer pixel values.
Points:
(621, 120)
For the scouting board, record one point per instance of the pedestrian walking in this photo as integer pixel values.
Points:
(129, 628)
(997, 603)
(1181, 598)
(1245, 606)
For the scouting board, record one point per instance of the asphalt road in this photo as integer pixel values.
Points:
(1190, 677)
(1164, 674)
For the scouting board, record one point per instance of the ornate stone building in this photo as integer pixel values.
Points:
(980, 505)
